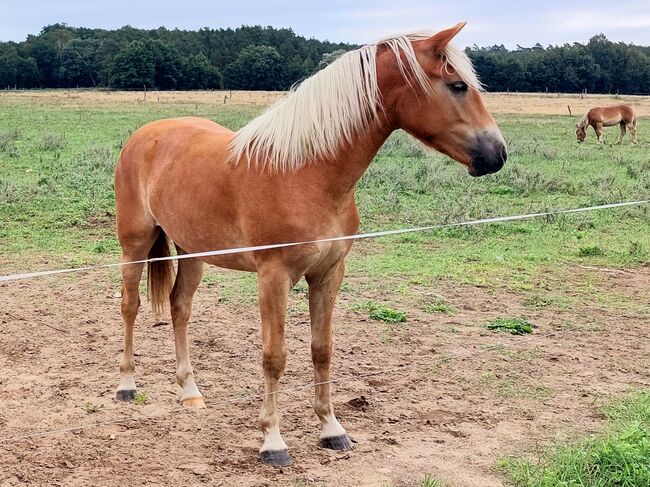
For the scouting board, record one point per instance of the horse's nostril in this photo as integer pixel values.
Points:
(504, 154)
(488, 154)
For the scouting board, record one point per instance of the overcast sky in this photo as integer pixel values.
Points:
(356, 21)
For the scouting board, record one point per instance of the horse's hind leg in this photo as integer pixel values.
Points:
(135, 248)
(323, 290)
(622, 134)
(190, 272)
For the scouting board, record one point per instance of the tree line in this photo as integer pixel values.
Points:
(252, 58)
(265, 58)
(599, 66)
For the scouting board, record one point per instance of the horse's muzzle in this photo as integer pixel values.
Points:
(488, 154)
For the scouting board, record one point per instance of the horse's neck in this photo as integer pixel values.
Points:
(342, 171)
(585, 121)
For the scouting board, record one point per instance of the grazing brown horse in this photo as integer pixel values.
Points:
(289, 175)
(599, 117)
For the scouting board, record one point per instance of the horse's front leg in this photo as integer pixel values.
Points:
(598, 127)
(323, 290)
(274, 284)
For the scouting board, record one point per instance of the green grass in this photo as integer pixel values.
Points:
(539, 300)
(430, 481)
(515, 326)
(91, 408)
(590, 251)
(56, 197)
(141, 398)
(381, 312)
(617, 457)
(439, 306)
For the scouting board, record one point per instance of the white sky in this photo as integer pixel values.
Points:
(356, 21)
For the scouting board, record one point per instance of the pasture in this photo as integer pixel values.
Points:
(459, 400)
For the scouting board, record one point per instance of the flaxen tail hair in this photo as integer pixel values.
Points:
(160, 275)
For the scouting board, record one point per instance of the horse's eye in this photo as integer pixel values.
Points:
(458, 86)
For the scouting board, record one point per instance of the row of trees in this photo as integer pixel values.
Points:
(264, 58)
(254, 58)
(600, 66)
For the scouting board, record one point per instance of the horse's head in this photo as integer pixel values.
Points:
(442, 105)
(581, 133)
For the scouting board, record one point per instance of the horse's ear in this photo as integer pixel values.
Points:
(577, 125)
(439, 41)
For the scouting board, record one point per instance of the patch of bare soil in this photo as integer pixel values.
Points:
(89, 98)
(560, 103)
(498, 103)
(468, 396)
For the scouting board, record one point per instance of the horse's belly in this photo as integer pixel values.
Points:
(610, 122)
(238, 262)
(195, 234)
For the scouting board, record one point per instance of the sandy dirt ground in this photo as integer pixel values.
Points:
(498, 103)
(456, 398)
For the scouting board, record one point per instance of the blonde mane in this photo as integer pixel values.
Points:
(339, 101)
(584, 121)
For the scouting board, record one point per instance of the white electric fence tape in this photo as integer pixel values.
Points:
(257, 248)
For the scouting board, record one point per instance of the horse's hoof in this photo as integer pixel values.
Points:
(193, 402)
(341, 442)
(277, 458)
(125, 395)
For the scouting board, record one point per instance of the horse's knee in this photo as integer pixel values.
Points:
(321, 354)
(273, 362)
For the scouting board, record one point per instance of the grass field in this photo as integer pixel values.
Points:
(619, 456)
(56, 209)
(56, 166)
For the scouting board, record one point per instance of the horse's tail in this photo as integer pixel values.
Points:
(160, 274)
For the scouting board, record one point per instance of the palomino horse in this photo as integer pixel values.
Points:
(289, 175)
(599, 117)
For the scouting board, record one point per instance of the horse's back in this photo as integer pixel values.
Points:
(171, 134)
(611, 115)
(181, 123)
